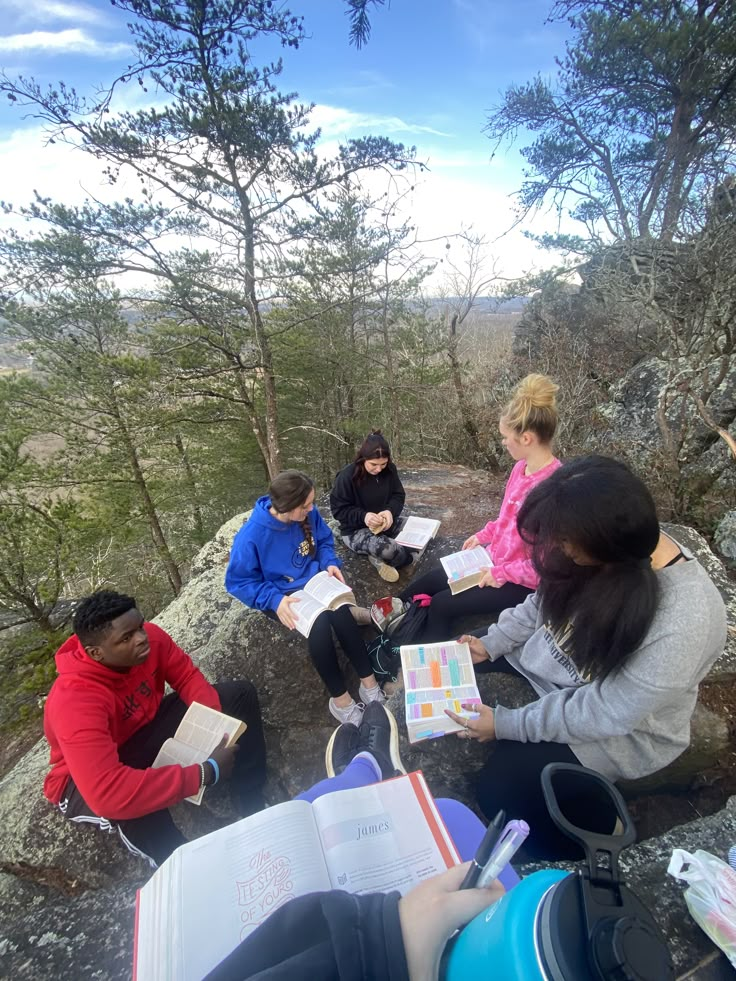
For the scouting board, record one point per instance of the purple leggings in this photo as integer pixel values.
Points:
(465, 828)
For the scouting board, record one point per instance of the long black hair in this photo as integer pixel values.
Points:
(374, 447)
(596, 509)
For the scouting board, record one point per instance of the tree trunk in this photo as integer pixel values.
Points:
(192, 485)
(466, 411)
(157, 534)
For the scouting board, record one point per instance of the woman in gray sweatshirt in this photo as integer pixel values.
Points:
(623, 627)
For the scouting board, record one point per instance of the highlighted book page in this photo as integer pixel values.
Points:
(437, 677)
(464, 563)
(383, 837)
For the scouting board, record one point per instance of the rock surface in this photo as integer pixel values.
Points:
(725, 535)
(68, 892)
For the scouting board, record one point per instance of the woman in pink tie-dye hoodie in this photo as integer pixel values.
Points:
(527, 425)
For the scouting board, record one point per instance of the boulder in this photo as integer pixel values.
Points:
(725, 667)
(70, 890)
(725, 535)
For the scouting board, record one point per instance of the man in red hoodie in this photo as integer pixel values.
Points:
(106, 718)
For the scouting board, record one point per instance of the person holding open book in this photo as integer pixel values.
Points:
(106, 719)
(367, 499)
(527, 425)
(623, 627)
(284, 549)
(394, 931)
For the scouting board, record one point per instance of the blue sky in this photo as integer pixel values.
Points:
(429, 74)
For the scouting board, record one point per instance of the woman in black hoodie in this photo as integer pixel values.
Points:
(367, 499)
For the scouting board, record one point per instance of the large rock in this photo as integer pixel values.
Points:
(68, 892)
(725, 667)
(725, 535)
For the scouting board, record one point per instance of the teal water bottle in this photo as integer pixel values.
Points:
(561, 926)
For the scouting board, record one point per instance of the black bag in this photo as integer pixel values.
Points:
(385, 659)
(407, 629)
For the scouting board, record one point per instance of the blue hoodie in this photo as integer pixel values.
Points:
(265, 563)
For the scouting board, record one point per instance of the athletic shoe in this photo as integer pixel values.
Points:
(341, 748)
(371, 694)
(379, 736)
(384, 570)
(361, 615)
(353, 713)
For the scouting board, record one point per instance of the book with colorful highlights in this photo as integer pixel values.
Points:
(437, 677)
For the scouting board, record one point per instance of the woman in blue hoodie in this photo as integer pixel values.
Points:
(277, 551)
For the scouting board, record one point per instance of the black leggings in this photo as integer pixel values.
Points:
(154, 835)
(446, 606)
(511, 779)
(322, 648)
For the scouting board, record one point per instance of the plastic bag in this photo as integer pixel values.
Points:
(710, 896)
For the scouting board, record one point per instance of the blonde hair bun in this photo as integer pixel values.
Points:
(533, 407)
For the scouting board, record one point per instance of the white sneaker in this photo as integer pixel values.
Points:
(352, 713)
(371, 694)
(384, 570)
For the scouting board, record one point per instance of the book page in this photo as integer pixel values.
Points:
(325, 588)
(227, 884)
(199, 732)
(437, 677)
(467, 563)
(383, 837)
(202, 728)
(417, 532)
(306, 611)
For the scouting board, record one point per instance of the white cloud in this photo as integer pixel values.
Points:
(72, 41)
(335, 122)
(42, 11)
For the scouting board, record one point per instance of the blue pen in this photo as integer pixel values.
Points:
(510, 841)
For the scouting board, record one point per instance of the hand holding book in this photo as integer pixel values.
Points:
(224, 757)
(284, 612)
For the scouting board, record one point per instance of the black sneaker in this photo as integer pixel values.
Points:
(341, 748)
(379, 736)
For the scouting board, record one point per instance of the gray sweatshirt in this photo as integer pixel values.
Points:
(636, 720)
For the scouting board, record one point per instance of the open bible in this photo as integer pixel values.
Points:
(437, 677)
(322, 592)
(465, 569)
(199, 732)
(416, 533)
(213, 892)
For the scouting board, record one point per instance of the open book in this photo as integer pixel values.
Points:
(416, 533)
(436, 677)
(199, 732)
(213, 892)
(466, 569)
(322, 592)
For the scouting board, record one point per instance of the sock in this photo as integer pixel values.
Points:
(369, 758)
